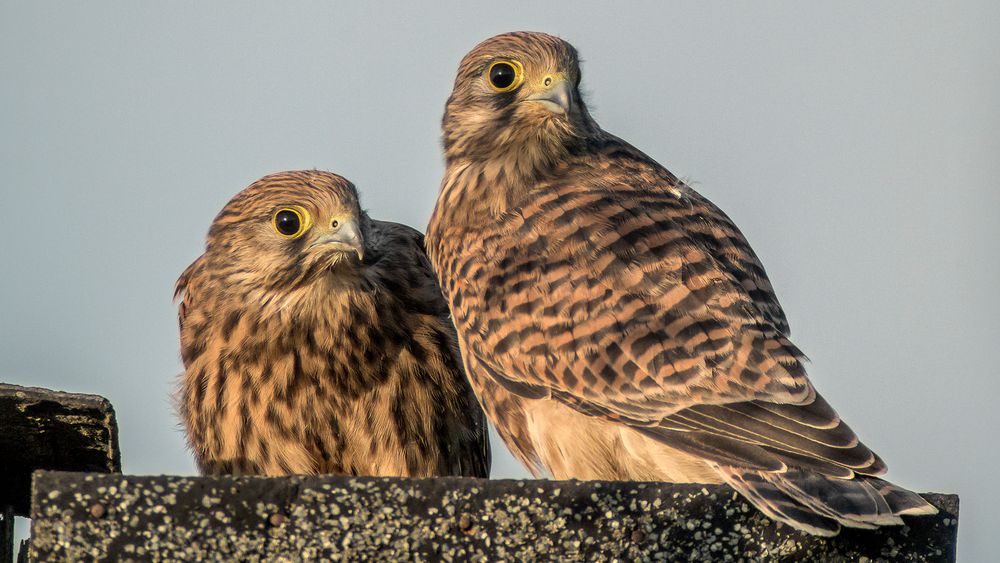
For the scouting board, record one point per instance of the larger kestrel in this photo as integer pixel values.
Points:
(316, 340)
(615, 323)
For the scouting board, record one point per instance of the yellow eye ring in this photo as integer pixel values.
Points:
(291, 222)
(505, 75)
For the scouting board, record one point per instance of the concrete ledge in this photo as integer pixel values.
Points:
(92, 516)
(43, 429)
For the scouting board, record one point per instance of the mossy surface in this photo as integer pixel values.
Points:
(92, 516)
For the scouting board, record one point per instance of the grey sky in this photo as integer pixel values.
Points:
(857, 146)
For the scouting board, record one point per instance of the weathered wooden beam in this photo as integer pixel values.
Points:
(43, 429)
(6, 534)
(89, 516)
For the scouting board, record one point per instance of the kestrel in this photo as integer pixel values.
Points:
(316, 340)
(615, 323)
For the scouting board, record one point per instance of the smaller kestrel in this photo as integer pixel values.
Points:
(316, 340)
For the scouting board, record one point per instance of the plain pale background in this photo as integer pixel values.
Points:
(857, 145)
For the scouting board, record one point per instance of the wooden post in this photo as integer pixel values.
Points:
(44, 429)
(7, 534)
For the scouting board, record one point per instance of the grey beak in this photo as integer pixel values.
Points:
(346, 238)
(557, 99)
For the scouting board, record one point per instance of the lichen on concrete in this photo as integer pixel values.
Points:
(88, 516)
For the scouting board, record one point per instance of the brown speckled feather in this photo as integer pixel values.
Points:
(582, 273)
(300, 358)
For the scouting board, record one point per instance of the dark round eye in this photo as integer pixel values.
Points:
(335, 224)
(287, 222)
(291, 222)
(504, 76)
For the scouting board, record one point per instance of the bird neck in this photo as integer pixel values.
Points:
(288, 294)
(477, 190)
(480, 191)
(490, 170)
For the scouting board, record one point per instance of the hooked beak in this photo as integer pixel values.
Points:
(557, 98)
(347, 238)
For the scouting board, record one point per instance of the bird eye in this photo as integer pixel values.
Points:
(504, 76)
(291, 222)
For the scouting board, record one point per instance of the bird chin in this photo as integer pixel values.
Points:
(544, 110)
(541, 125)
(550, 107)
(337, 259)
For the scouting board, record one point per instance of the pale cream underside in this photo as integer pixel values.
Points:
(572, 445)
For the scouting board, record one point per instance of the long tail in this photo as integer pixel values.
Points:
(820, 505)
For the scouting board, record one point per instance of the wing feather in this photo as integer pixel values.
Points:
(627, 295)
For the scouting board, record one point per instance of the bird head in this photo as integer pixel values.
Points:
(287, 228)
(517, 91)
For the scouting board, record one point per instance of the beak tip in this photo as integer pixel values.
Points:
(557, 99)
(347, 239)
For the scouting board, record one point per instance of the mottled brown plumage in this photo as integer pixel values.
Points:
(615, 323)
(301, 357)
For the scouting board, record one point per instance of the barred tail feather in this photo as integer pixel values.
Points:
(820, 505)
(777, 505)
(902, 501)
